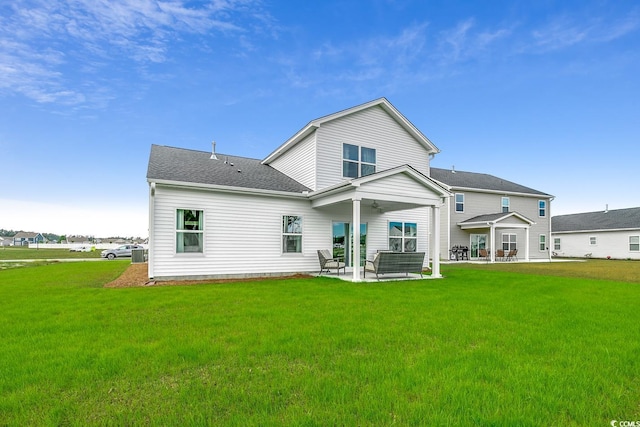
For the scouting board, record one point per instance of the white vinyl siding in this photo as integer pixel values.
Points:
(300, 162)
(371, 128)
(256, 249)
(616, 244)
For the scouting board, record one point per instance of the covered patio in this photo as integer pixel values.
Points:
(399, 190)
(496, 221)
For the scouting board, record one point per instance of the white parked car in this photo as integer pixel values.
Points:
(119, 252)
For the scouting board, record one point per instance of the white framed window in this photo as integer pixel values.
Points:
(291, 234)
(459, 200)
(593, 240)
(556, 244)
(189, 231)
(505, 205)
(542, 208)
(403, 236)
(542, 242)
(358, 161)
(634, 243)
(509, 241)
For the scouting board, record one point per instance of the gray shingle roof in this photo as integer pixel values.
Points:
(182, 165)
(481, 181)
(611, 220)
(494, 217)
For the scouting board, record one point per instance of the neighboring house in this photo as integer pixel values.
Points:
(609, 233)
(6, 241)
(356, 181)
(24, 238)
(487, 212)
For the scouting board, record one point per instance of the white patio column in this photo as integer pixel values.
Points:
(355, 258)
(492, 239)
(435, 266)
(526, 248)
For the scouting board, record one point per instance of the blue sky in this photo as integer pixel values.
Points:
(544, 93)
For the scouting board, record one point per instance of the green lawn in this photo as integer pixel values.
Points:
(481, 347)
(17, 252)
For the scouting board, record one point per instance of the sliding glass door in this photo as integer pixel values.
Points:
(342, 247)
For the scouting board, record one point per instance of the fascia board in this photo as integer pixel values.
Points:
(511, 193)
(301, 134)
(229, 189)
(600, 230)
(408, 170)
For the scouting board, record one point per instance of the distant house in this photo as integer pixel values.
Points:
(6, 241)
(603, 234)
(24, 238)
(488, 212)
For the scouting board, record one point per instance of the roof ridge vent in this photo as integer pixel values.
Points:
(453, 168)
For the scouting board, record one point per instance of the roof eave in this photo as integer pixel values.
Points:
(228, 189)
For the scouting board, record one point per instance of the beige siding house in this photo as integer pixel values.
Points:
(493, 214)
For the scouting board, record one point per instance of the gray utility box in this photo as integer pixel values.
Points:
(137, 256)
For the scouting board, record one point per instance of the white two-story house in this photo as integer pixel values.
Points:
(356, 181)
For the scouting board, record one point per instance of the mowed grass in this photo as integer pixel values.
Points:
(480, 347)
(23, 252)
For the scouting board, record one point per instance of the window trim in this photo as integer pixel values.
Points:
(637, 244)
(504, 205)
(455, 202)
(542, 242)
(403, 237)
(593, 240)
(509, 242)
(284, 233)
(178, 230)
(359, 162)
(542, 209)
(557, 244)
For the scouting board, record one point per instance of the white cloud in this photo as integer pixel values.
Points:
(35, 33)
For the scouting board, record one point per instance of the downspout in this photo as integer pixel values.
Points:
(550, 242)
(492, 239)
(151, 258)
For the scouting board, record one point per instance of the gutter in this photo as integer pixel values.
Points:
(151, 249)
(230, 189)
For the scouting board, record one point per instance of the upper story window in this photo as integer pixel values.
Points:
(189, 231)
(542, 208)
(357, 161)
(292, 234)
(459, 202)
(505, 204)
